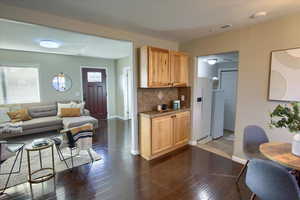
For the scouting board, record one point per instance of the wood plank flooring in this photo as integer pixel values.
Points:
(189, 173)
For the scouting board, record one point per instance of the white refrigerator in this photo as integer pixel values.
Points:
(202, 104)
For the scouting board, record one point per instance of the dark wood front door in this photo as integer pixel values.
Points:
(94, 91)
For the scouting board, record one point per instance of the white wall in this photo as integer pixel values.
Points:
(120, 64)
(204, 69)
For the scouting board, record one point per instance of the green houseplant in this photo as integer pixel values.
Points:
(288, 116)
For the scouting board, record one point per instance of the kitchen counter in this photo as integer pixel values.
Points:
(153, 114)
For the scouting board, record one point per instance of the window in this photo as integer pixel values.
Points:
(19, 85)
(94, 77)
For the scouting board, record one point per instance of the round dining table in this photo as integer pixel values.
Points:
(281, 153)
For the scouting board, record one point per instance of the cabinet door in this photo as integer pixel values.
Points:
(181, 128)
(162, 134)
(159, 69)
(179, 68)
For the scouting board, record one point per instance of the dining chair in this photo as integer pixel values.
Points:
(254, 136)
(271, 181)
(8, 150)
(81, 134)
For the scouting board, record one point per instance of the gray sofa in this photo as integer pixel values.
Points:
(44, 118)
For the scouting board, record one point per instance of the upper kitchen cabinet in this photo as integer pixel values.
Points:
(179, 65)
(155, 68)
(162, 68)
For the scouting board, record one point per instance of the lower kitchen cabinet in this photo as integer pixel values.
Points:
(161, 134)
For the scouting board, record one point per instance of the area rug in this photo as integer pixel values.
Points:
(81, 159)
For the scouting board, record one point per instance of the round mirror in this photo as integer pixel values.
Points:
(61, 82)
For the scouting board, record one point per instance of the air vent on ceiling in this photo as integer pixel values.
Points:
(226, 26)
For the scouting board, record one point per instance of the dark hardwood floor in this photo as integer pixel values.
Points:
(189, 173)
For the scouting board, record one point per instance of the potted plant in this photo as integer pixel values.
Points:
(288, 116)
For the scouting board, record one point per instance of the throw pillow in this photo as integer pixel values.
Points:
(3, 114)
(78, 105)
(70, 112)
(19, 115)
(62, 105)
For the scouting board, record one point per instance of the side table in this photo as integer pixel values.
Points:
(30, 148)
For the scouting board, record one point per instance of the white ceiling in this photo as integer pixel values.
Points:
(222, 57)
(26, 37)
(171, 19)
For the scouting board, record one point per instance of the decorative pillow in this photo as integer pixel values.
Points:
(78, 105)
(19, 115)
(70, 112)
(3, 114)
(62, 105)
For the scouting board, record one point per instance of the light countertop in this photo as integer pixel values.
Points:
(153, 114)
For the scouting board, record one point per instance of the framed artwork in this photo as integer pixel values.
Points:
(284, 84)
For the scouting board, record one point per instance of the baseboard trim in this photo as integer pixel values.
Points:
(193, 142)
(238, 160)
(135, 152)
(205, 140)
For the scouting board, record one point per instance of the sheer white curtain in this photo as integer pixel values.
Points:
(19, 85)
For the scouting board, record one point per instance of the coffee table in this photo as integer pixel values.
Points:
(51, 170)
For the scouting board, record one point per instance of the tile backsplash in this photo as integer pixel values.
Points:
(149, 98)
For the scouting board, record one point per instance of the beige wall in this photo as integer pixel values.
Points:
(254, 45)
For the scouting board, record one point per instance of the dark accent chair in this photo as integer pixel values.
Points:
(253, 137)
(271, 181)
(8, 150)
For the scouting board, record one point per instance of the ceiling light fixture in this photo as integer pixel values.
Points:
(50, 44)
(258, 14)
(212, 61)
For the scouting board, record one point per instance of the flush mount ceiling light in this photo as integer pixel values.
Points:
(50, 44)
(258, 14)
(212, 61)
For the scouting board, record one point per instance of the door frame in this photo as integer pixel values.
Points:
(226, 70)
(106, 83)
(193, 74)
(220, 85)
(128, 115)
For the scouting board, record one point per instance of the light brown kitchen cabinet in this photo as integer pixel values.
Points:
(181, 128)
(163, 133)
(155, 67)
(162, 142)
(161, 68)
(179, 63)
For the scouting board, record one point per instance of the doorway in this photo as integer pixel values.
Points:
(127, 80)
(217, 85)
(95, 92)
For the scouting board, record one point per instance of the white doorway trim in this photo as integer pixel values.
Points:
(225, 70)
(106, 83)
(127, 90)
